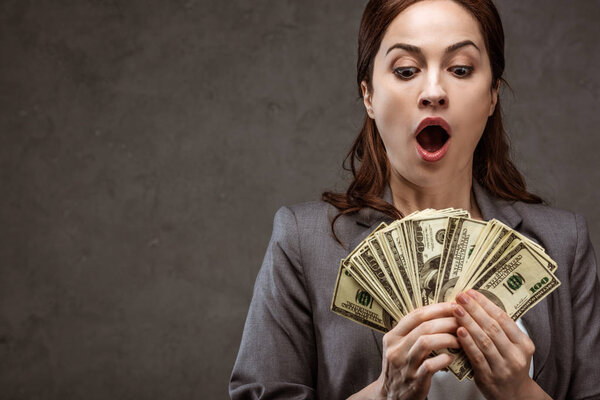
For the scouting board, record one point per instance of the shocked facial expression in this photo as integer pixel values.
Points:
(432, 68)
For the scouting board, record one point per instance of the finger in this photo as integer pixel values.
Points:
(510, 328)
(402, 345)
(420, 315)
(481, 339)
(425, 372)
(438, 325)
(476, 357)
(433, 365)
(428, 343)
(488, 325)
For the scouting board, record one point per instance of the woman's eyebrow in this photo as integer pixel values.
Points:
(417, 50)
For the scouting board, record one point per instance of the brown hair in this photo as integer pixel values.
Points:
(367, 158)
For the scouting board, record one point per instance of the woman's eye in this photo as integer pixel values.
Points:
(405, 72)
(462, 71)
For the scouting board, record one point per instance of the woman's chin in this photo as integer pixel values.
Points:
(427, 175)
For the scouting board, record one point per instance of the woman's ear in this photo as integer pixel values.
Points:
(495, 91)
(367, 98)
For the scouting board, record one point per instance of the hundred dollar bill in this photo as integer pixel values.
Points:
(463, 243)
(508, 240)
(398, 266)
(517, 282)
(403, 242)
(379, 255)
(352, 301)
(382, 283)
(537, 250)
(428, 239)
(347, 261)
(488, 239)
(449, 235)
(497, 244)
(368, 284)
(360, 272)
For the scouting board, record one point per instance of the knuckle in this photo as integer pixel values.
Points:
(394, 360)
(389, 358)
(504, 317)
(386, 340)
(521, 363)
(503, 374)
(428, 367)
(478, 359)
(423, 342)
(427, 326)
(419, 314)
(486, 343)
(493, 329)
(529, 347)
(518, 360)
(395, 357)
(497, 313)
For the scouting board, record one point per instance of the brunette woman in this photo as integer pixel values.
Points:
(422, 62)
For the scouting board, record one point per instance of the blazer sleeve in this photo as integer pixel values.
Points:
(277, 355)
(585, 294)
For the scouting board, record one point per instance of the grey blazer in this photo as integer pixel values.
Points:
(294, 347)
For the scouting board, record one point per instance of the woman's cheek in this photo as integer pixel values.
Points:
(392, 129)
(481, 100)
(479, 107)
(392, 144)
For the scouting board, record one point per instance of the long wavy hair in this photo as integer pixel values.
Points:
(367, 159)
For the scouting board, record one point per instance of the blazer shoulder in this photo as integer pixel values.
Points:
(311, 215)
(547, 218)
(559, 231)
(308, 208)
(312, 223)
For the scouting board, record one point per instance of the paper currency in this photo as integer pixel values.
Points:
(432, 255)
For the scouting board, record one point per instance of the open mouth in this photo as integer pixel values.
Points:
(432, 138)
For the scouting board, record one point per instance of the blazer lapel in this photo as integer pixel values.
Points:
(492, 207)
(536, 320)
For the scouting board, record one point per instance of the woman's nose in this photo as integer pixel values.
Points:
(434, 100)
(433, 95)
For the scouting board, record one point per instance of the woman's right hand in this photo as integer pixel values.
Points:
(406, 370)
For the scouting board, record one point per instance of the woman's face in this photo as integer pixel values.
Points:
(432, 62)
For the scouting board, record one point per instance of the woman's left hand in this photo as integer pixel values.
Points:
(499, 352)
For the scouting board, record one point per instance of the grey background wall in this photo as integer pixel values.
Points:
(145, 146)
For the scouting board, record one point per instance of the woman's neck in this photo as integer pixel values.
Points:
(456, 193)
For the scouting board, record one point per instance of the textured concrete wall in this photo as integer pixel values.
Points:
(145, 146)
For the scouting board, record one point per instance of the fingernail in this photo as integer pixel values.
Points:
(462, 298)
(473, 293)
(462, 332)
(458, 311)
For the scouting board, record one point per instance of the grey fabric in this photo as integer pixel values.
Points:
(294, 347)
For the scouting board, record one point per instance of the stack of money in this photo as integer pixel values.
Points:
(431, 256)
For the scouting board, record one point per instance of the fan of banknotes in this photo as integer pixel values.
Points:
(432, 255)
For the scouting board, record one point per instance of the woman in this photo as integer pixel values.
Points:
(431, 62)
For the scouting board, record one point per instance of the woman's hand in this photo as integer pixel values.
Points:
(499, 352)
(406, 369)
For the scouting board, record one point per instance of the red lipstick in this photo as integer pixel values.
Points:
(432, 143)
